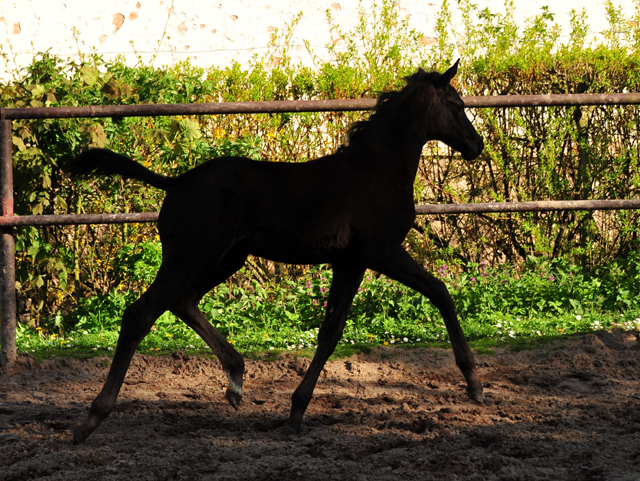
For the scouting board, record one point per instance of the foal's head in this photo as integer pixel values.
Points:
(441, 110)
(427, 108)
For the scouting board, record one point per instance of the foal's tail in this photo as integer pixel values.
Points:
(106, 162)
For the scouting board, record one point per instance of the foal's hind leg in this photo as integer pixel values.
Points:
(136, 324)
(399, 265)
(343, 288)
(187, 309)
(232, 362)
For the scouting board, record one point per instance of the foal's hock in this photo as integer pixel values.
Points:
(351, 209)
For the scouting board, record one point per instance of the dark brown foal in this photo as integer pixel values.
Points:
(351, 209)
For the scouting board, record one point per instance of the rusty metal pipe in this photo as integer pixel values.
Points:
(551, 100)
(153, 110)
(7, 254)
(79, 219)
(426, 209)
(281, 106)
(533, 206)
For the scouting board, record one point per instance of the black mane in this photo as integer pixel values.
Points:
(357, 131)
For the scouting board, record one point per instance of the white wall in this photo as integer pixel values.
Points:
(212, 32)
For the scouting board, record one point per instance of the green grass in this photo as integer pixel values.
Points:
(502, 305)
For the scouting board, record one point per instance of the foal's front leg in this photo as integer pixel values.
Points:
(399, 265)
(343, 288)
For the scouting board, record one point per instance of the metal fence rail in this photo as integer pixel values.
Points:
(281, 106)
(423, 209)
(8, 221)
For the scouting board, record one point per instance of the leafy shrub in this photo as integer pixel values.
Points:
(531, 153)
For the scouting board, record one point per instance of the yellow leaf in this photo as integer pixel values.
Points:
(89, 75)
(37, 91)
(17, 141)
(98, 136)
(126, 90)
(61, 203)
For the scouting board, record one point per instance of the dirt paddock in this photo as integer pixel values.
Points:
(569, 410)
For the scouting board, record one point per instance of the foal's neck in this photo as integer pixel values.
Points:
(400, 148)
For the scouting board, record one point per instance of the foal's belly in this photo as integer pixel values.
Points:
(297, 248)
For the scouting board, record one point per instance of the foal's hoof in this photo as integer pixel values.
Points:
(290, 430)
(234, 398)
(476, 395)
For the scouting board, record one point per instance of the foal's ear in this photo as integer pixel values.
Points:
(446, 77)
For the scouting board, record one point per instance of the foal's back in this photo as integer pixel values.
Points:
(303, 213)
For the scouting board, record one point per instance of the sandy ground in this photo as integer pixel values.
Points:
(569, 410)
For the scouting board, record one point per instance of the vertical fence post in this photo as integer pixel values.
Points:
(7, 252)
